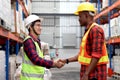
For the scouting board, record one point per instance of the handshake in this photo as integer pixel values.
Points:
(59, 63)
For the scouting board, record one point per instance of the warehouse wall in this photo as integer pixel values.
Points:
(45, 6)
(62, 31)
(60, 25)
(54, 6)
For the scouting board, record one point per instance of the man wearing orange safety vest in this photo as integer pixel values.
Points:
(93, 53)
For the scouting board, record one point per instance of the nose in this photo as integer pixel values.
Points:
(40, 27)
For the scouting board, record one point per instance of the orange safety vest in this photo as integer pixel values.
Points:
(84, 58)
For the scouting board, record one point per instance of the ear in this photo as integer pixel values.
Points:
(31, 28)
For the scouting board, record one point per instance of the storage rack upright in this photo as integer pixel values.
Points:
(8, 38)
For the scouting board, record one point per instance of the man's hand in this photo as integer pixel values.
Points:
(58, 64)
(62, 60)
(85, 77)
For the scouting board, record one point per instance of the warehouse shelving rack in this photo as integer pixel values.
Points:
(8, 38)
(21, 2)
(104, 17)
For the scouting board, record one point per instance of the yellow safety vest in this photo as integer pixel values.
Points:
(29, 70)
(84, 58)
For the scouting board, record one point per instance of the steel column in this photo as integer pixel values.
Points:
(99, 4)
(109, 45)
(17, 48)
(7, 58)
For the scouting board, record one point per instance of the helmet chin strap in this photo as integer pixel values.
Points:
(34, 31)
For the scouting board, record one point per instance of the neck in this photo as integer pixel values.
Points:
(89, 23)
(36, 36)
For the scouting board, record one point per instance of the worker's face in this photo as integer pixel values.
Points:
(82, 19)
(38, 27)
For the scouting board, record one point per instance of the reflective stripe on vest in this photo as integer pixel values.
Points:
(84, 58)
(33, 75)
(29, 70)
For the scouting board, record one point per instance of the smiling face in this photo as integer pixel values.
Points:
(37, 27)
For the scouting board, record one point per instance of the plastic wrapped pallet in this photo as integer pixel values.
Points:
(112, 26)
(18, 73)
(116, 29)
(116, 63)
(18, 22)
(29, 7)
(1, 9)
(119, 25)
(18, 64)
(21, 18)
(106, 30)
(19, 56)
(12, 66)
(112, 22)
(6, 9)
(104, 3)
(2, 65)
(48, 74)
(13, 18)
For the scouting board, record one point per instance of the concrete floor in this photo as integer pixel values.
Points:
(69, 71)
(65, 74)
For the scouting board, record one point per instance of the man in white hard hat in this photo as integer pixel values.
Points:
(33, 62)
(93, 53)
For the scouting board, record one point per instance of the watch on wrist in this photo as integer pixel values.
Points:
(67, 61)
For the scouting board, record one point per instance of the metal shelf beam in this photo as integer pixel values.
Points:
(117, 3)
(7, 34)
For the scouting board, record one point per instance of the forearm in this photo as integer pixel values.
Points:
(33, 55)
(36, 60)
(73, 59)
(92, 65)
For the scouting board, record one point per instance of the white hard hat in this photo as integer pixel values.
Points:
(30, 19)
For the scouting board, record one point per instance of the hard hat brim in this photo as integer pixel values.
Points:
(28, 25)
(76, 13)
